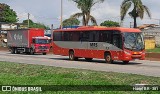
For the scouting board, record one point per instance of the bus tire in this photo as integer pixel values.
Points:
(108, 58)
(71, 56)
(125, 62)
(88, 59)
(44, 53)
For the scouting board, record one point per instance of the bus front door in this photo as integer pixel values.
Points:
(117, 47)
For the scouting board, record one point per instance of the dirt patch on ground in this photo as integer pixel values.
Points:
(153, 59)
(153, 56)
(149, 56)
(4, 49)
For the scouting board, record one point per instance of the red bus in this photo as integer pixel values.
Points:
(109, 43)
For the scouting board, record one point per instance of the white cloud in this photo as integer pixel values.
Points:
(48, 11)
(105, 11)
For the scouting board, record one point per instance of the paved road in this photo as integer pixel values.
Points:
(149, 68)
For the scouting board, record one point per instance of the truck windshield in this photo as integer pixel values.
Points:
(42, 41)
(133, 41)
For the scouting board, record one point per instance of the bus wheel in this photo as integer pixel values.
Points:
(44, 53)
(125, 62)
(108, 58)
(71, 56)
(88, 59)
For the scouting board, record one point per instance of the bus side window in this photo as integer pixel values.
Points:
(91, 36)
(57, 36)
(67, 36)
(105, 36)
(94, 36)
(75, 36)
(84, 36)
(117, 40)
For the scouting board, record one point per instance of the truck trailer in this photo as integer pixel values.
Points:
(28, 41)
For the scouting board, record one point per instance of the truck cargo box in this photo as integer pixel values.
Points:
(23, 37)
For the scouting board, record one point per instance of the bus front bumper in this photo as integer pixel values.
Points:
(134, 57)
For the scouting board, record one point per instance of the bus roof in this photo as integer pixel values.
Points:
(100, 28)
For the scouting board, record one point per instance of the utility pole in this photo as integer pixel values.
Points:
(121, 23)
(131, 24)
(28, 19)
(61, 14)
(52, 33)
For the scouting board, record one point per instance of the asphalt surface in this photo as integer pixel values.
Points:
(145, 67)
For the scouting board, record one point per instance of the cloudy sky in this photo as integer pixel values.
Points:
(48, 11)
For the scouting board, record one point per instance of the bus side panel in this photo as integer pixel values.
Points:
(84, 53)
(117, 55)
(121, 55)
(93, 54)
(78, 52)
(65, 51)
(57, 50)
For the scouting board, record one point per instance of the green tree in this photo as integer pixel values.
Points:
(26, 22)
(138, 10)
(85, 6)
(110, 24)
(35, 25)
(7, 14)
(71, 22)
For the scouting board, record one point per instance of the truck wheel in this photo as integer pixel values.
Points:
(16, 51)
(31, 52)
(44, 53)
(88, 59)
(108, 58)
(12, 51)
(71, 56)
(125, 62)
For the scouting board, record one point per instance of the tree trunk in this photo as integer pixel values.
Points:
(135, 16)
(84, 21)
(135, 22)
(87, 18)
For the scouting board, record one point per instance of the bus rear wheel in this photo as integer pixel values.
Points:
(108, 58)
(71, 56)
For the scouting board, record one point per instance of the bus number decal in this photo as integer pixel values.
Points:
(94, 44)
(107, 48)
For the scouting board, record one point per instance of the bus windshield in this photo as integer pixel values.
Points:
(133, 41)
(42, 41)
